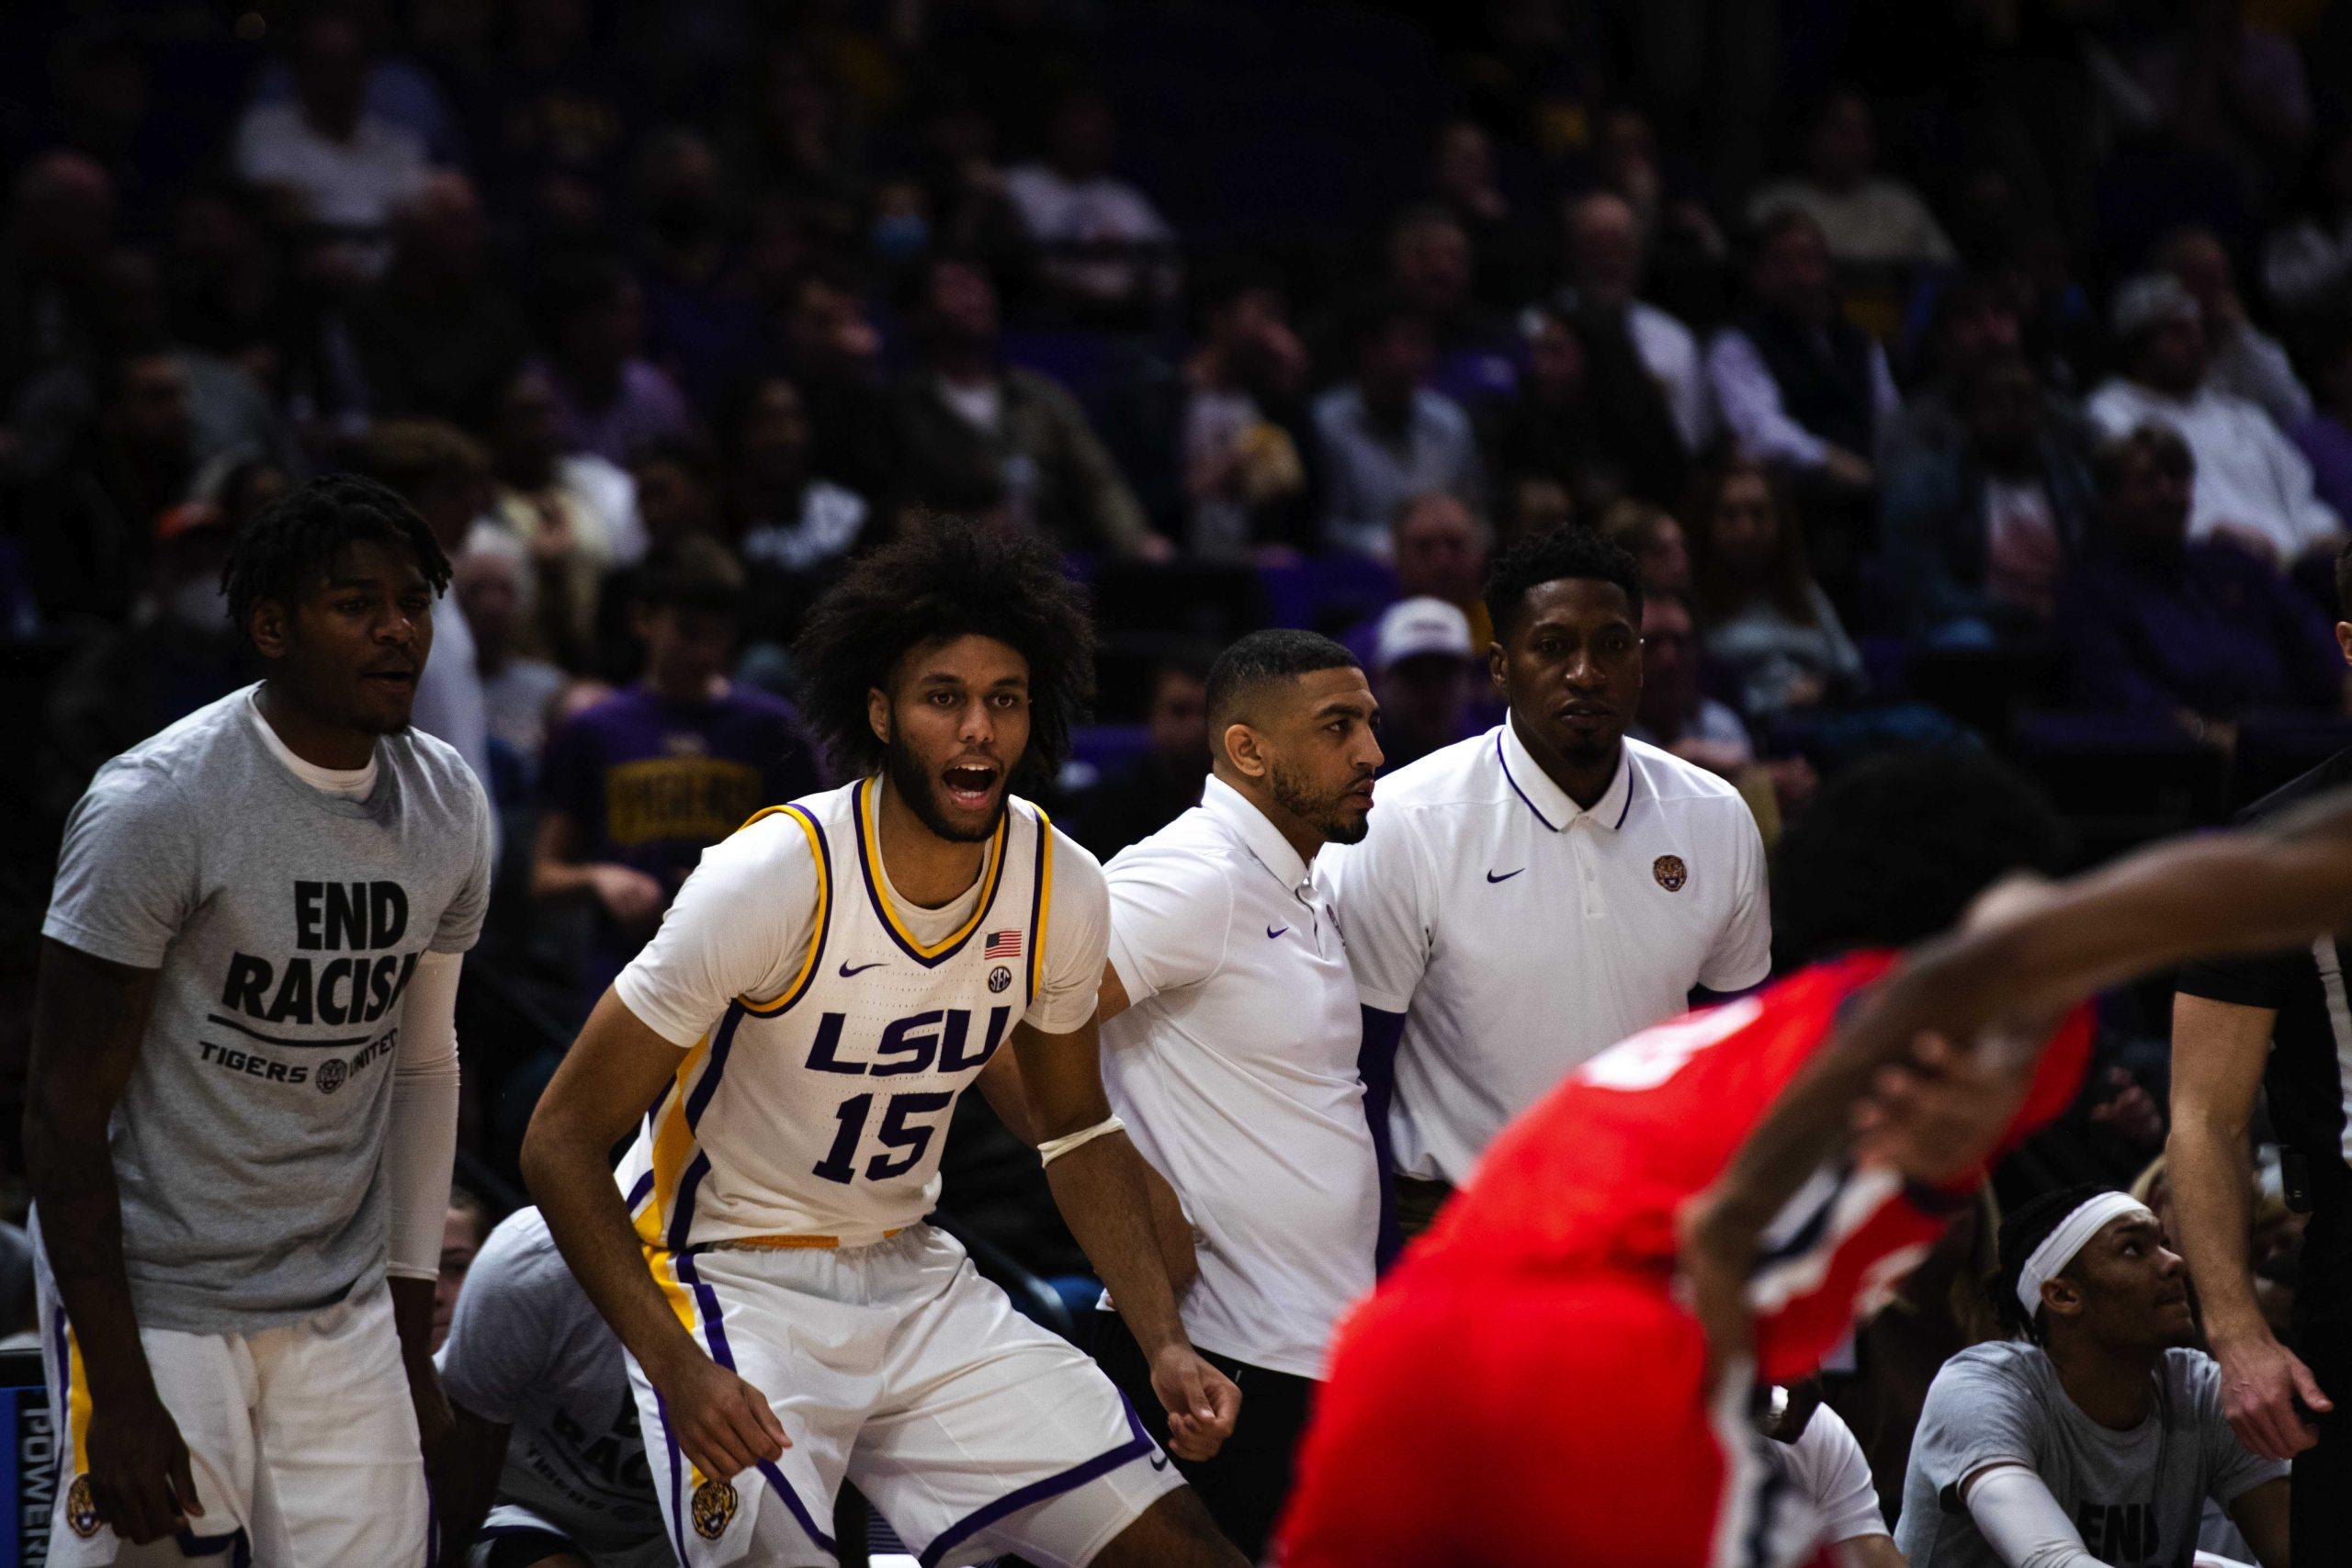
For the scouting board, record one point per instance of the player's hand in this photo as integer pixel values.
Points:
(722, 1423)
(140, 1479)
(2261, 1380)
(628, 894)
(434, 1422)
(1935, 1116)
(1202, 1403)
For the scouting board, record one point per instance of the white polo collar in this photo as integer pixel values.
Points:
(1548, 800)
(1240, 816)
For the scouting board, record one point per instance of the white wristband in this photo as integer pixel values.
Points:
(1053, 1149)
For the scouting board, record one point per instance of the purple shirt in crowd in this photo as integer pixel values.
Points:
(2326, 445)
(649, 408)
(2216, 632)
(651, 784)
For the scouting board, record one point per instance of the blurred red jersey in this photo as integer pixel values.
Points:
(1592, 1175)
(1527, 1387)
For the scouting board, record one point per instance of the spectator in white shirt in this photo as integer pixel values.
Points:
(494, 585)
(1230, 1032)
(1607, 259)
(346, 166)
(1107, 248)
(789, 521)
(1385, 438)
(2243, 360)
(1868, 219)
(1799, 386)
(2253, 487)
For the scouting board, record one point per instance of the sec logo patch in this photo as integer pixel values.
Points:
(80, 1509)
(714, 1508)
(1670, 872)
(1000, 977)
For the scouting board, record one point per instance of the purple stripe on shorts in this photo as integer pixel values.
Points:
(1138, 1444)
(670, 1441)
(715, 1335)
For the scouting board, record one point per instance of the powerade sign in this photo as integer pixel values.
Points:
(29, 1476)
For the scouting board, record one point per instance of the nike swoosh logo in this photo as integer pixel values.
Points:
(847, 970)
(1506, 876)
(1159, 1462)
(1272, 931)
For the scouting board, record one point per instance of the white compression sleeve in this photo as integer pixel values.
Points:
(2023, 1522)
(421, 1143)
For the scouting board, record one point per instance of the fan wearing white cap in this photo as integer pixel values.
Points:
(1422, 654)
(2093, 1439)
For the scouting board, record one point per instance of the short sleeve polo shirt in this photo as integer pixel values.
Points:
(1521, 934)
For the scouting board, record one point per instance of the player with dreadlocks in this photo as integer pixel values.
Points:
(242, 1102)
(830, 980)
(2094, 1434)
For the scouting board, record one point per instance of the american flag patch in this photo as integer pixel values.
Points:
(1003, 944)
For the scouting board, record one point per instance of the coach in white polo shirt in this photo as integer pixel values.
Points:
(1231, 1036)
(1534, 895)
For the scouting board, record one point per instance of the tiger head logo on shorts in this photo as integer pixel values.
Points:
(82, 1508)
(714, 1508)
(1670, 872)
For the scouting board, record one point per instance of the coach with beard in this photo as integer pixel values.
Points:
(1230, 1036)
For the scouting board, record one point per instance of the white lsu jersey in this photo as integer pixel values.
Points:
(813, 1116)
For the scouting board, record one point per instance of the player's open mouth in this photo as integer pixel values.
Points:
(970, 784)
(403, 679)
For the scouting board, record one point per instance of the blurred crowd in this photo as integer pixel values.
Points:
(1969, 370)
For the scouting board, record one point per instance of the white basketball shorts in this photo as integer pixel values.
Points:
(301, 1441)
(896, 1366)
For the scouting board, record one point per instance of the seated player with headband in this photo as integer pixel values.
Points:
(2093, 1439)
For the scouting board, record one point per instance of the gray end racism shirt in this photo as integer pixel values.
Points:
(284, 923)
(2135, 1496)
(527, 1350)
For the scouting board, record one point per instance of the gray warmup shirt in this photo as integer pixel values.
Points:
(2135, 1496)
(527, 1350)
(285, 922)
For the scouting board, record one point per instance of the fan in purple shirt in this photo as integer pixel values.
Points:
(2200, 633)
(637, 786)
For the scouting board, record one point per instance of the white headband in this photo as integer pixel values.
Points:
(2059, 1248)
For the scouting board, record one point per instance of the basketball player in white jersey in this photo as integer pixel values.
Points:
(242, 1102)
(828, 981)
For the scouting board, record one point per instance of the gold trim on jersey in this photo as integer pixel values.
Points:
(782, 1243)
(1045, 902)
(869, 846)
(77, 1399)
(674, 1147)
(822, 855)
